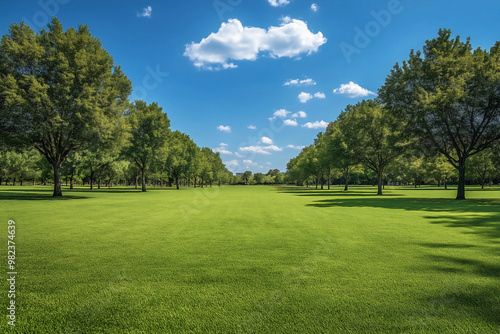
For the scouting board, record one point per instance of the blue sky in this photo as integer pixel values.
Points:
(284, 67)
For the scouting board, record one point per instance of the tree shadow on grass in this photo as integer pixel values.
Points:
(480, 216)
(473, 300)
(34, 195)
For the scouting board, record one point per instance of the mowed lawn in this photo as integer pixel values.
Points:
(254, 259)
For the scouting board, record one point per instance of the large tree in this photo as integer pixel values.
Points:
(373, 136)
(341, 150)
(149, 130)
(59, 91)
(449, 96)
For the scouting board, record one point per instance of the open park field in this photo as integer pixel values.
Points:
(254, 259)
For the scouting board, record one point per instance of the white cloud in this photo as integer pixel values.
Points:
(316, 125)
(146, 12)
(222, 150)
(249, 163)
(238, 155)
(304, 97)
(252, 127)
(223, 128)
(295, 147)
(254, 149)
(300, 114)
(261, 149)
(232, 163)
(278, 3)
(280, 113)
(352, 90)
(290, 122)
(266, 140)
(233, 41)
(297, 82)
(314, 7)
(272, 148)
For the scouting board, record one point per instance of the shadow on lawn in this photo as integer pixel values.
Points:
(476, 300)
(25, 195)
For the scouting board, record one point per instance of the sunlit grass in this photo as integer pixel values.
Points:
(254, 259)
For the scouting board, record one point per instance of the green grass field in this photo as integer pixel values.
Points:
(254, 259)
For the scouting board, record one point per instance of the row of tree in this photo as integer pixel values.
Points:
(439, 112)
(61, 95)
(140, 150)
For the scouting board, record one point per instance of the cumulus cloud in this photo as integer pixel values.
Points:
(352, 90)
(316, 125)
(222, 149)
(278, 3)
(300, 114)
(314, 7)
(257, 149)
(252, 127)
(232, 163)
(304, 97)
(297, 82)
(266, 140)
(233, 41)
(238, 155)
(290, 122)
(295, 147)
(280, 113)
(146, 12)
(224, 128)
(249, 163)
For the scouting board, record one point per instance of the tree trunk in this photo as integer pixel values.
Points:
(91, 179)
(136, 181)
(71, 183)
(99, 181)
(56, 166)
(143, 179)
(316, 181)
(379, 181)
(21, 182)
(194, 183)
(328, 183)
(346, 181)
(177, 182)
(14, 182)
(461, 180)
